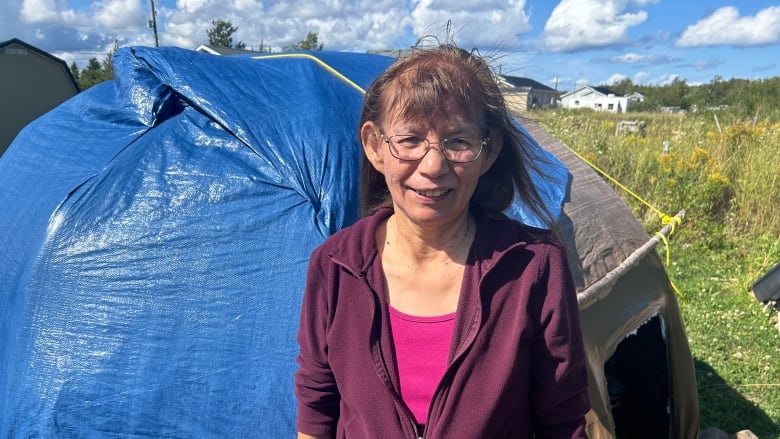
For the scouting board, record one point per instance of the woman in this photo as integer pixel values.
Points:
(436, 316)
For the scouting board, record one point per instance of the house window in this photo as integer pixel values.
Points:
(611, 107)
(577, 103)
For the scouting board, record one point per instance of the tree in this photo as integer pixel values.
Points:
(95, 72)
(108, 62)
(309, 43)
(624, 87)
(74, 70)
(91, 74)
(221, 34)
(263, 48)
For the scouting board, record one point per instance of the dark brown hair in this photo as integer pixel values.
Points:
(427, 77)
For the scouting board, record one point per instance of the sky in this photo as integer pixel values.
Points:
(564, 44)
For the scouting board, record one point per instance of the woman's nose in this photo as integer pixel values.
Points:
(434, 163)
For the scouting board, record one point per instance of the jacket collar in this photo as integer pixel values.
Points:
(495, 236)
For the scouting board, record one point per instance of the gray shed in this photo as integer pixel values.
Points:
(32, 82)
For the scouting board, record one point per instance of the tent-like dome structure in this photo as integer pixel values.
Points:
(156, 229)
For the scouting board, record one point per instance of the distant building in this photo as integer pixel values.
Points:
(672, 110)
(32, 82)
(595, 98)
(635, 98)
(393, 53)
(523, 94)
(221, 50)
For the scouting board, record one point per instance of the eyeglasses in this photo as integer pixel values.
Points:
(455, 149)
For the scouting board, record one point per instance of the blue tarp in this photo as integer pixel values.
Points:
(154, 236)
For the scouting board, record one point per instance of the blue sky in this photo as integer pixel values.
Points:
(567, 43)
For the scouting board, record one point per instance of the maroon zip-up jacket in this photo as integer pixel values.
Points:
(516, 365)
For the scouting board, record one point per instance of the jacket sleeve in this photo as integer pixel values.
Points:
(315, 386)
(559, 392)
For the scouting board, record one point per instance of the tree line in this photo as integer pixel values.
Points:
(744, 97)
(219, 35)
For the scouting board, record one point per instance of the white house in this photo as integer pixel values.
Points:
(595, 98)
(635, 98)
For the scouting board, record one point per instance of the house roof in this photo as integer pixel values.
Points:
(519, 82)
(598, 89)
(31, 48)
(605, 91)
(221, 50)
(393, 53)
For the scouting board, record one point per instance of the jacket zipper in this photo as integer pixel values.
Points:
(445, 378)
(459, 353)
(389, 385)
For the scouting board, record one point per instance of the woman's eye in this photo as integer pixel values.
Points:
(407, 141)
(458, 143)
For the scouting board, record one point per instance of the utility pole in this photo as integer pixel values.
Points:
(153, 24)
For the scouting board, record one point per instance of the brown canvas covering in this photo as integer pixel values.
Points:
(621, 284)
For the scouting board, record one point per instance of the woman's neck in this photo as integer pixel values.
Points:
(421, 245)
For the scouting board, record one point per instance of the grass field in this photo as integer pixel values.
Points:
(724, 173)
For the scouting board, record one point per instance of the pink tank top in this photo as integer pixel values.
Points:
(422, 345)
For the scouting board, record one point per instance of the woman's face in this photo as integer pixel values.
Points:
(431, 191)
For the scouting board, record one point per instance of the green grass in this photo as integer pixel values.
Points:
(726, 178)
(732, 336)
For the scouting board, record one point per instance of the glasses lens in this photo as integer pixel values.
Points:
(456, 149)
(407, 147)
(462, 149)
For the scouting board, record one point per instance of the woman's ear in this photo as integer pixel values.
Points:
(370, 137)
(493, 149)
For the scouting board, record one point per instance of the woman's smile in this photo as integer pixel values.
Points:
(432, 193)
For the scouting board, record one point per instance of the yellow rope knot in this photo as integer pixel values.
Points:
(671, 221)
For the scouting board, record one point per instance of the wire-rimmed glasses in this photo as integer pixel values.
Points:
(455, 149)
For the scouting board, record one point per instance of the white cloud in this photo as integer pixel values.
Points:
(665, 79)
(585, 24)
(628, 58)
(726, 27)
(495, 23)
(615, 78)
(340, 25)
(39, 11)
(348, 25)
(120, 14)
(643, 78)
(65, 31)
(49, 12)
(189, 5)
(581, 82)
(636, 58)
(640, 77)
(703, 64)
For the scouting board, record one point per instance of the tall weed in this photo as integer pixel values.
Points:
(725, 177)
(724, 173)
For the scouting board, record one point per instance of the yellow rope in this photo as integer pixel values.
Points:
(665, 240)
(671, 221)
(320, 62)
